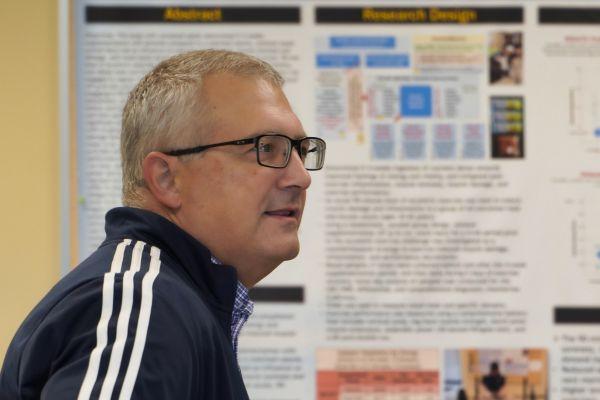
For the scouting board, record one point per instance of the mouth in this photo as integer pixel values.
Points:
(285, 213)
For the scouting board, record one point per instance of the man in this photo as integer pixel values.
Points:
(494, 381)
(215, 176)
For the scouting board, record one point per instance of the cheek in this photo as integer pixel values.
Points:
(250, 183)
(254, 197)
(239, 196)
(201, 189)
(234, 193)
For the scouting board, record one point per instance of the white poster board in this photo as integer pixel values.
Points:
(456, 223)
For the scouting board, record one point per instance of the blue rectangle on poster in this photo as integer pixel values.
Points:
(415, 101)
(383, 141)
(413, 150)
(364, 42)
(473, 150)
(387, 60)
(338, 60)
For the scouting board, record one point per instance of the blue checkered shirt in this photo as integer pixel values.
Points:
(242, 308)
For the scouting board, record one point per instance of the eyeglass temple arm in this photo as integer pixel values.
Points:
(199, 149)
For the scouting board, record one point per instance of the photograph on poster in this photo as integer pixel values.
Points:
(507, 126)
(496, 374)
(506, 58)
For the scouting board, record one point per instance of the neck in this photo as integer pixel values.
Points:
(250, 270)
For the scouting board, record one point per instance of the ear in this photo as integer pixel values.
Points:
(158, 170)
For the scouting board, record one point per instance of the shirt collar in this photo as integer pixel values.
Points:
(242, 304)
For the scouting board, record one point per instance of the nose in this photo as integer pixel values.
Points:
(295, 175)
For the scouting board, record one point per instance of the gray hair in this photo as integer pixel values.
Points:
(166, 108)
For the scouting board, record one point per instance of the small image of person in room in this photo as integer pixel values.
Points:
(494, 381)
(506, 58)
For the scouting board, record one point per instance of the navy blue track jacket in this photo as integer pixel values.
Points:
(146, 316)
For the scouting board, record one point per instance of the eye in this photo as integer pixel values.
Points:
(265, 147)
(251, 150)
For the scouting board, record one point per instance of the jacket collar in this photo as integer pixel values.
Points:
(216, 283)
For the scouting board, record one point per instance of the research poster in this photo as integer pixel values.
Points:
(451, 245)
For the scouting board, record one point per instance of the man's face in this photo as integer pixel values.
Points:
(246, 214)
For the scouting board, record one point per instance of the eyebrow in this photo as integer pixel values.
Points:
(276, 132)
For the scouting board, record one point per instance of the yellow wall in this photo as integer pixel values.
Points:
(29, 165)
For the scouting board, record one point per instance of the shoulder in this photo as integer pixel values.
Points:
(92, 329)
(142, 286)
(154, 332)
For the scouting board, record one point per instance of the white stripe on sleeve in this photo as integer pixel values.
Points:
(142, 326)
(116, 354)
(102, 329)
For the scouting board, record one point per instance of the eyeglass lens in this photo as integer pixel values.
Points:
(313, 153)
(274, 151)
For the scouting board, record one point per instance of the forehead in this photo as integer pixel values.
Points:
(240, 106)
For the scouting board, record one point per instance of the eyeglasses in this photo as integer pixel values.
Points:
(273, 150)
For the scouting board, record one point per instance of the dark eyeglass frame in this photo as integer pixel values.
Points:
(295, 143)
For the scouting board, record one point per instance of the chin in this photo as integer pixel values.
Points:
(289, 251)
(272, 260)
(293, 254)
